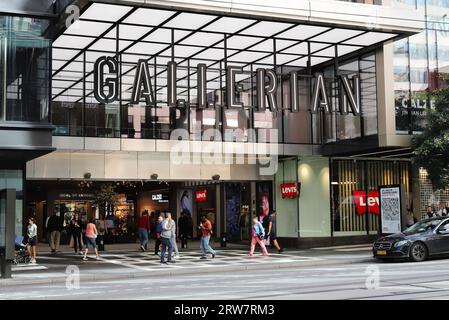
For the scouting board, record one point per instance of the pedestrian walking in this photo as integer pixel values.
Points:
(102, 230)
(258, 236)
(32, 239)
(173, 238)
(268, 225)
(166, 236)
(206, 232)
(144, 227)
(184, 229)
(75, 231)
(91, 239)
(54, 228)
(157, 231)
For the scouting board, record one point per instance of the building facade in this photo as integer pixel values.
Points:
(216, 107)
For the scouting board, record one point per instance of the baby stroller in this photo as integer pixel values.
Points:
(21, 254)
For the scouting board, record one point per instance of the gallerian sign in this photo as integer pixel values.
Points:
(106, 88)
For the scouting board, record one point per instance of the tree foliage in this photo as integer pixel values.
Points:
(105, 195)
(432, 146)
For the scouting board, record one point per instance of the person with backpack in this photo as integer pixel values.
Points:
(258, 236)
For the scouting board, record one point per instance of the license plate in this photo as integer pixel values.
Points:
(381, 252)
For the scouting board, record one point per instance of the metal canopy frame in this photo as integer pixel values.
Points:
(72, 76)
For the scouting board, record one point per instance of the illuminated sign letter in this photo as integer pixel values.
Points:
(100, 82)
(268, 91)
(320, 90)
(142, 77)
(201, 86)
(231, 87)
(294, 97)
(349, 94)
(171, 83)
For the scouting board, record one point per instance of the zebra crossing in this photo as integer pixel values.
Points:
(191, 259)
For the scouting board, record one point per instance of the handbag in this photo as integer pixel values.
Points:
(261, 236)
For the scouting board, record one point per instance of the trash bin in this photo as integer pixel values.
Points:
(223, 239)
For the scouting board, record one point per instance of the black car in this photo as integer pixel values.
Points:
(425, 238)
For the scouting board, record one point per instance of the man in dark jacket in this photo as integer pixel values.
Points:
(54, 228)
(185, 227)
(158, 231)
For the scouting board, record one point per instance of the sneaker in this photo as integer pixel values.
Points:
(202, 258)
(33, 261)
(142, 248)
(80, 253)
(172, 261)
(97, 257)
(281, 250)
(84, 258)
(177, 256)
(163, 262)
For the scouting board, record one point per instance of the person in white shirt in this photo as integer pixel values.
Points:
(32, 239)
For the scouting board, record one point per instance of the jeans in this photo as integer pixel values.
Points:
(175, 245)
(205, 246)
(143, 237)
(166, 243)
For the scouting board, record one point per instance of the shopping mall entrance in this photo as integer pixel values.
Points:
(228, 205)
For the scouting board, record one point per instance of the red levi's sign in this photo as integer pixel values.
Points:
(290, 190)
(201, 195)
(361, 201)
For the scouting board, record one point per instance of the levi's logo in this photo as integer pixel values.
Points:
(361, 201)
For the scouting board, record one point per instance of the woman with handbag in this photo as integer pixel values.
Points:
(258, 236)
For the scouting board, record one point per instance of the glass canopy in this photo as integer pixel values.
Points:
(189, 38)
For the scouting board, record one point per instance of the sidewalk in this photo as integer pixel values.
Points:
(125, 261)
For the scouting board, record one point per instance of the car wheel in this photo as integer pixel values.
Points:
(418, 252)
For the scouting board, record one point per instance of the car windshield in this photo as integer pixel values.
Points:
(422, 226)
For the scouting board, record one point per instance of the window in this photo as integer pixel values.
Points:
(25, 66)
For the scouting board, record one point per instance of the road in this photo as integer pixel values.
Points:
(396, 280)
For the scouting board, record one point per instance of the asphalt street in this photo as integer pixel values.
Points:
(363, 280)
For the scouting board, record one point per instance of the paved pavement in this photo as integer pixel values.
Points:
(402, 280)
(127, 262)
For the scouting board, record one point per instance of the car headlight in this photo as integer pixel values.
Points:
(400, 243)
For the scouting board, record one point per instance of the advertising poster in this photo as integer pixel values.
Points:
(185, 201)
(390, 209)
(232, 210)
(264, 198)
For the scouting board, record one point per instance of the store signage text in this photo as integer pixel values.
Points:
(159, 197)
(201, 195)
(290, 190)
(106, 88)
(361, 201)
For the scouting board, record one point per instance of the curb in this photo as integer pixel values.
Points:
(175, 272)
